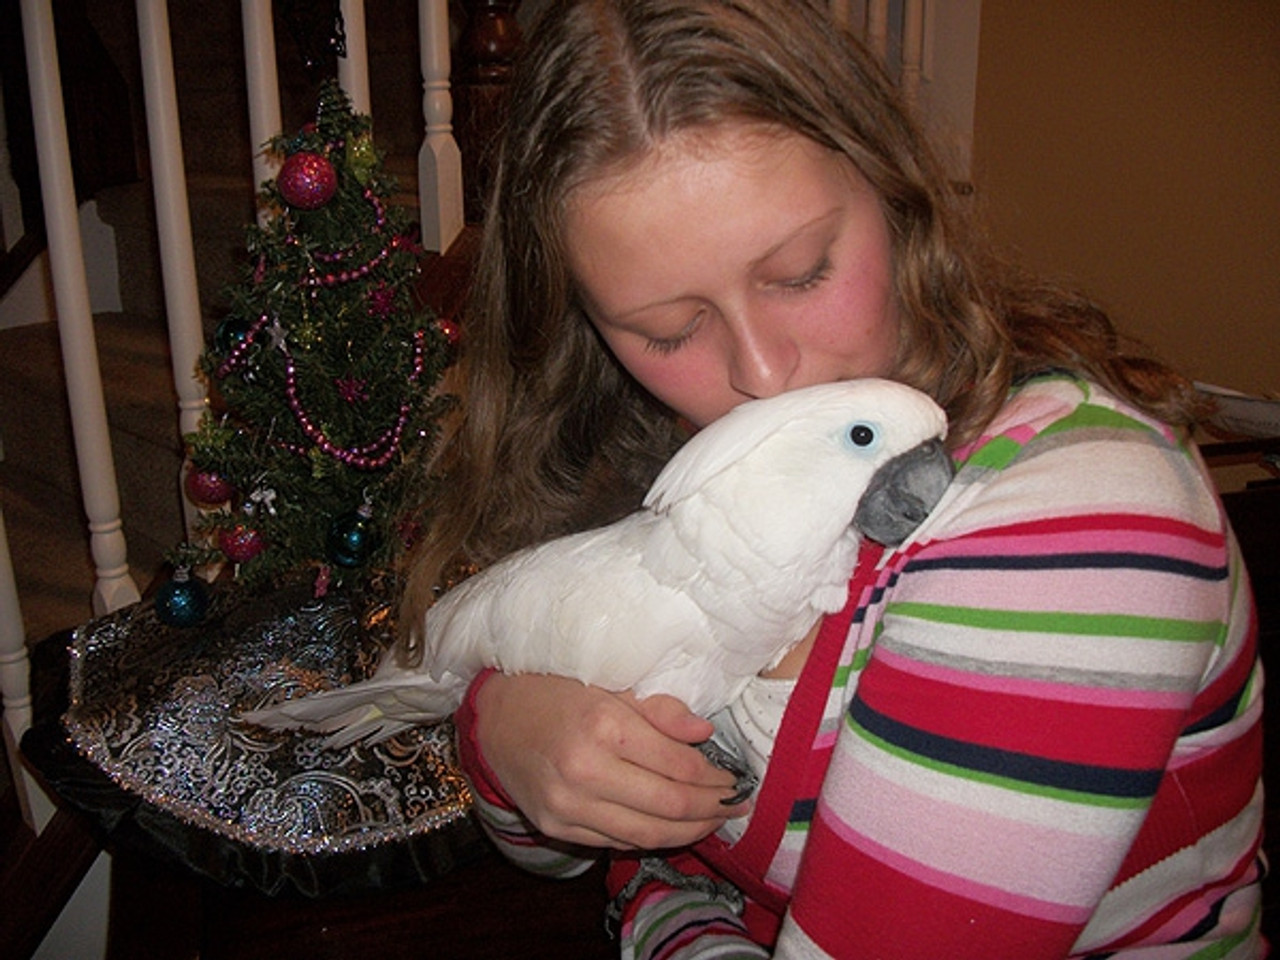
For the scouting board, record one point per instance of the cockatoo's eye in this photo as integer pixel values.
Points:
(862, 435)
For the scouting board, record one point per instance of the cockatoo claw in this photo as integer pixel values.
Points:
(747, 781)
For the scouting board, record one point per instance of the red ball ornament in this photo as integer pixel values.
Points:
(452, 332)
(207, 488)
(307, 180)
(241, 543)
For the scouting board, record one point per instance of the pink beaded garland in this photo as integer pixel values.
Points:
(370, 456)
(238, 352)
(307, 180)
(313, 279)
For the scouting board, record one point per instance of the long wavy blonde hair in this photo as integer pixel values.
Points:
(553, 435)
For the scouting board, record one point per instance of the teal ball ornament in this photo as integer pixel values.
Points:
(182, 601)
(353, 538)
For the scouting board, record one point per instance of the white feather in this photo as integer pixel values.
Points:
(745, 540)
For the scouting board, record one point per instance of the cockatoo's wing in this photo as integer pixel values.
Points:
(589, 606)
(392, 700)
(573, 606)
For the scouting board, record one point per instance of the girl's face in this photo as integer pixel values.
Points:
(735, 263)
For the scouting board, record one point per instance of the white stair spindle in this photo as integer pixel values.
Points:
(173, 218)
(15, 688)
(439, 160)
(114, 587)
(353, 69)
(14, 666)
(263, 82)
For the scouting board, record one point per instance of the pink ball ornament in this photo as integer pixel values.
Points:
(307, 180)
(207, 488)
(241, 543)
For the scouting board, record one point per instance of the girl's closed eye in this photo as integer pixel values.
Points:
(665, 345)
(809, 280)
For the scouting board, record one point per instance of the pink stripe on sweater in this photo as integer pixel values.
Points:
(826, 739)
(1139, 593)
(975, 841)
(786, 862)
(1020, 434)
(1174, 919)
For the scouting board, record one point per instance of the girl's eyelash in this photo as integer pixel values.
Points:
(810, 279)
(664, 347)
(667, 345)
(670, 344)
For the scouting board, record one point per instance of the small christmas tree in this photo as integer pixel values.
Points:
(324, 373)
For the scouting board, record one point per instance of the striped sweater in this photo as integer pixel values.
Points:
(1034, 732)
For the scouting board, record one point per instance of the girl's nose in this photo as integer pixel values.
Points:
(762, 360)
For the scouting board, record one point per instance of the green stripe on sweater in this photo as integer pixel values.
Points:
(1063, 622)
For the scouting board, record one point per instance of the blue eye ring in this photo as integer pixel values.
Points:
(862, 435)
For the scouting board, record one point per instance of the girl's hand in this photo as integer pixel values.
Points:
(606, 770)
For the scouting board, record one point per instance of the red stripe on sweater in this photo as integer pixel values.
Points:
(1221, 783)
(480, 775)
(1245, 871)
(1087, 733)
(1138, 522)
(891, 916)
(1228, 685)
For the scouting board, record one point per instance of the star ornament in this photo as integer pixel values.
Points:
(278, 335)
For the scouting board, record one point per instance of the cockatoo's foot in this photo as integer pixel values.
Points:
(722, 758)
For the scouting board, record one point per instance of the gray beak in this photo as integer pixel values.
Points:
(902, 493)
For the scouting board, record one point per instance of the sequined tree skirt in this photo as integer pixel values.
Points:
(154, 708)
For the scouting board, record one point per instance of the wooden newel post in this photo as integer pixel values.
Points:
(486, 53)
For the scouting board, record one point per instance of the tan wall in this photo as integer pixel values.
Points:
(1134, 147)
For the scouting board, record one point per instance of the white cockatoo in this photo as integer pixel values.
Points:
(746, 538)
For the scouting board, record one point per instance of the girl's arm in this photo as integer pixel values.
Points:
(587, 767)
(514, 835)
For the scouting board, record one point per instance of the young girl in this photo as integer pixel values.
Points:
(1034, 730)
